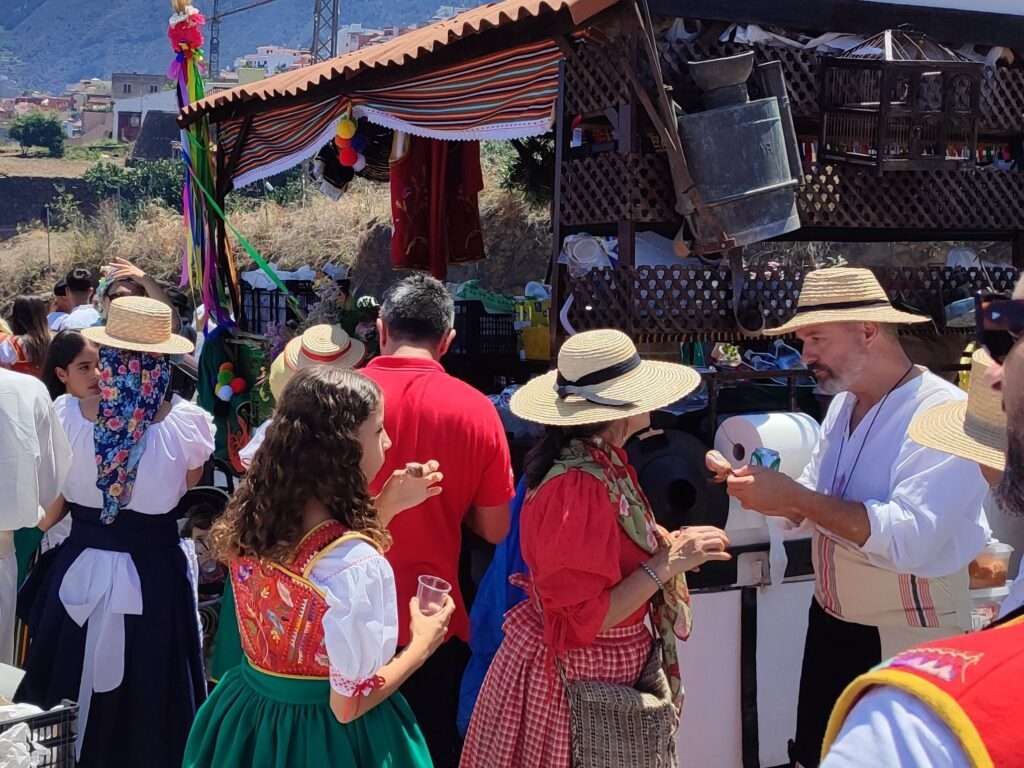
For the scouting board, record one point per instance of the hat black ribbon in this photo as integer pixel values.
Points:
(564, 388)
(862, 304)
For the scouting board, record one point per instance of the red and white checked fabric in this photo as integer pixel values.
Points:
(521, 719)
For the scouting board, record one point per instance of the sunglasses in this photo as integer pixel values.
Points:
(999, 321)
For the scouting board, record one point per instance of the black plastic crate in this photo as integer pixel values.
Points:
(480, 334)
(262, 308)
(54, 731)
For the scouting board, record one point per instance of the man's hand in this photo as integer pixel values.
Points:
(766, 491)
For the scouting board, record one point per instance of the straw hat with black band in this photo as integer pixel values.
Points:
(600, 377)
(139, 324)
(843, 295)
(973, 429)
(326, 345)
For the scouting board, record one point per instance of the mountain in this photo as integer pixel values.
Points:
(46, 44)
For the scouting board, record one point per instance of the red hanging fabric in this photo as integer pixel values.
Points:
(434, 205)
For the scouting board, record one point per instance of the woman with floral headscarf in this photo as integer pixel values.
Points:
(115, 626)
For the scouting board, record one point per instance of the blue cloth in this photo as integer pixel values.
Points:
(494, 597)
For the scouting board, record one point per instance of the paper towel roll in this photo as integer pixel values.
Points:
(793, 435)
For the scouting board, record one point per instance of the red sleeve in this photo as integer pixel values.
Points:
(571, 542)
(497, 485)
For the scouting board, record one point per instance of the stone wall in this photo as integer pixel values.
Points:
(23, 199)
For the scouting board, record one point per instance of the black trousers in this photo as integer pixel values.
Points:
(835, 654)
(433, 694)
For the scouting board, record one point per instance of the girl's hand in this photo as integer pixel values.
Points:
(120, 269)
(691, 547)
(407, 488)
(428, 632)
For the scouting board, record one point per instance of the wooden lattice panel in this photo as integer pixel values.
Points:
(846, 196)
(612, 187)
(594, 79)
(657, 304)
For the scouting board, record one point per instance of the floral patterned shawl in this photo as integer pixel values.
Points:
(132, 388)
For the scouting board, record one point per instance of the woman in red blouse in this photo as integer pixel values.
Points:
(598, 563)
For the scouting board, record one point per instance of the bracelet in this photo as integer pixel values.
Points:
(654, 577)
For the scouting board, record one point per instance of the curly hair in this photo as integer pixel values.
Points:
(311, 451)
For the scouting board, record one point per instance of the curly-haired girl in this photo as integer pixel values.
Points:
(316, 602)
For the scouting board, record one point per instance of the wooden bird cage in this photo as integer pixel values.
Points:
(900, 102)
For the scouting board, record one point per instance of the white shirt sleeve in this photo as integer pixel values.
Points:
(248, 451)
(361, 623)
(935, 497)
(8, 355)
(194, 429)
(893, 729)
(54, 461)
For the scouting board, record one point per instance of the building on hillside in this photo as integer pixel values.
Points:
(273, 59)
(132, 85)
(247, 75)
(42, 102)
(446, 12)
(159, 138)
(352, 37)
(92, 126)
(91, 92)
(130, 114)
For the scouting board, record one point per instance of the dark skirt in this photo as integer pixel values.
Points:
(146, 720)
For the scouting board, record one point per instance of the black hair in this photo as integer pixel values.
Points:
(64, 348)
(28, 320)
(60, 288)
(418, 309)
(542, 456)
(122, 287)
(79, 280)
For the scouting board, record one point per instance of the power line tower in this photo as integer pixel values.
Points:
(326, 15)
(213, 44)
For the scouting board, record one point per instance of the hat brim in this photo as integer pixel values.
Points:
(651, 386)
(944, 428)
(280, 373)
(859, 315)
(174, 345)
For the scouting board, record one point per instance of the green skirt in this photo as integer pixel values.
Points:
(255, 720)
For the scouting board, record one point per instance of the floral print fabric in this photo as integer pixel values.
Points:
(132, 389)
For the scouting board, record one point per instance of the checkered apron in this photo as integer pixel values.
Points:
(521, 719)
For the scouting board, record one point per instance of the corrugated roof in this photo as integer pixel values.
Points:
(413, 45)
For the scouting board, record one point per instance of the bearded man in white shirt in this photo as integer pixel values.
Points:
(954, 705)
(894, 524)
(34, 460)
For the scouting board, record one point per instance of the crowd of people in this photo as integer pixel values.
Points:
(362, 482)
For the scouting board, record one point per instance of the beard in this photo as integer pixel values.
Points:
(1010, 491)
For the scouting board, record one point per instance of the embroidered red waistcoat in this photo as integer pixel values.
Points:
(280, 610)
(973, 683)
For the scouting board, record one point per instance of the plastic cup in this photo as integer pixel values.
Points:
(990, 568)
(431, 594)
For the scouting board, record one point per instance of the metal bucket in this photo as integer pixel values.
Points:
(737, 153)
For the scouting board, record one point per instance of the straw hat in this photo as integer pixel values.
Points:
(843, 295)
(320, 345)
(600, 378)
(139, 324)
(974, 428)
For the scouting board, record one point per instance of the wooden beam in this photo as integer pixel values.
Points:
(856, 16)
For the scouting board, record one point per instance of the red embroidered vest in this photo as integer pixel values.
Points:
(280, 610)
(972, 682)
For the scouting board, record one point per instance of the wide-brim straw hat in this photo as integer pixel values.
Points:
(139, 324)
(974, 428)
(601, 378)
(326, 345)
(843, 295)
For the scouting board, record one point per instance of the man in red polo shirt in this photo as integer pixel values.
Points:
(429, 413)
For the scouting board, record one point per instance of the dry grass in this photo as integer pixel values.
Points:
(356, 230)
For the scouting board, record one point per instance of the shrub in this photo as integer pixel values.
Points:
(38, 129)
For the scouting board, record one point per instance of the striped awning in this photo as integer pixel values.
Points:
(486, 86)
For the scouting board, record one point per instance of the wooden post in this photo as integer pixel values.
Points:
(555, 272)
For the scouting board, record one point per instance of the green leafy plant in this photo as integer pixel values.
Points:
(38, 129)
(135, 187)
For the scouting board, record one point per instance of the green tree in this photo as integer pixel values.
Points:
(39, 129)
